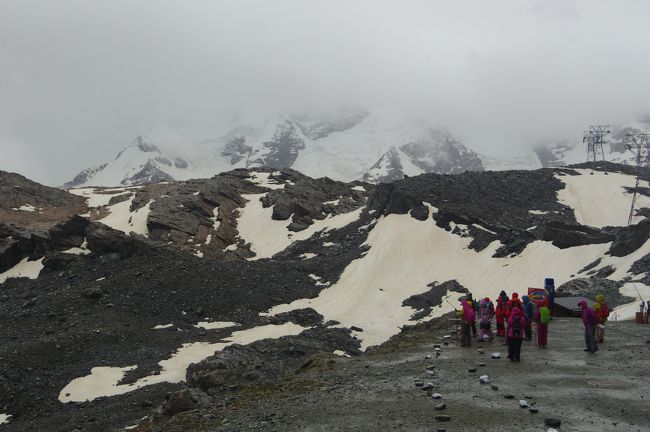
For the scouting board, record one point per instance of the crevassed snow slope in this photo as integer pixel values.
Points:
(406, 254)
(599, 199)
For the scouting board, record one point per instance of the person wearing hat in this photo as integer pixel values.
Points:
(589, 320)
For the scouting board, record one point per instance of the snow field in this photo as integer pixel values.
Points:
(212, 325)
(25, 268)
(638, 292)
(268, 237)
(105, 381)
(599, 199)
(4, 418)
(406, 254)
(121, 218)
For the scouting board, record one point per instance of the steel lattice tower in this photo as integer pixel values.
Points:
(639, 145)
(595, 138)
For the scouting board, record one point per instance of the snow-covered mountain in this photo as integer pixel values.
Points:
(141, 162)
(351, 145)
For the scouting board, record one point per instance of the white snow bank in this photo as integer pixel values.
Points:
(359, 188)
(4, 418)
(263, 179)
(341, 353)
(537, 212)
(600, 199)
(104, 381)
(26, 208)
(211, 325)
(268, 237)
(628, 311)
(308, 255)
(162, 326)
(406, 254)
(95, 199)
(25, 268)
(81, 250)
(121, 218)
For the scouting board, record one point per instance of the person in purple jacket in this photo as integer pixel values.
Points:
(590, 321)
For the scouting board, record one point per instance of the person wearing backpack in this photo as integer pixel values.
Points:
(589, 320)
(529, 312)
(603, 314)
(516, 325)
(543, 318)
(485, 317)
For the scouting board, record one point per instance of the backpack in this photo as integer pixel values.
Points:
(544, 315)
(516, 326)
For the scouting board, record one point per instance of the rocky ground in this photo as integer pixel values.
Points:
(378, 390)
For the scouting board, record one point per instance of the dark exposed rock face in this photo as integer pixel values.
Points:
(565, 235)
(423, 303)
(589, 287)
(630, 238)
(84, 176)
(237, 149)
(150, 173)
(25, 203)
(266, 360)
(283, 148)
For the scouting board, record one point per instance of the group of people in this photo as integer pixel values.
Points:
(514, 321)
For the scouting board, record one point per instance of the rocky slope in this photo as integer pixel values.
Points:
(253, 275)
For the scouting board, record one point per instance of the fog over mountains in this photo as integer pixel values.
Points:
(352, 145)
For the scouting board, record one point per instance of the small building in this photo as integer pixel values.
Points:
(568, 306)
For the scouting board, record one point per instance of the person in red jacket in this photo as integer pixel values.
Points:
(500, 314)
(516, 302)
(516, 326)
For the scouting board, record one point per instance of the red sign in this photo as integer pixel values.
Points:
(539, 296)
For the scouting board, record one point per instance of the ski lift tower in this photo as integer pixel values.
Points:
(595, 138)
(639, 145)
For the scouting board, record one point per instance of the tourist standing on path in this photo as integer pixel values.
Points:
(485, 317)
(529, 312)
(542, 318)
(516, 325)
(500, 313)
(589, 320)
(467, 318)
(603, 314)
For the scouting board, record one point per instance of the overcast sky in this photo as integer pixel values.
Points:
(80, 79)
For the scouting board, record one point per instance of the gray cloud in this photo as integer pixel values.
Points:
(79, 79)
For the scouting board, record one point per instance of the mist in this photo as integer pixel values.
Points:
(79, 80)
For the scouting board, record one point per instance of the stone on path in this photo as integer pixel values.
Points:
(443, 418)
(552, 422)
(484, 379)
(436, 396)
(533, 410)
(494, 387)
(496, 355)
(523, 403)
(509, 396)
(440, 407)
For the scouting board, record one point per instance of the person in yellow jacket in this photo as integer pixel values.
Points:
(602, 312)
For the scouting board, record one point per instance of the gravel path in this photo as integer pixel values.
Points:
(378, 392)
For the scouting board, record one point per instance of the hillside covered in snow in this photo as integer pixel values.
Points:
(197, 288)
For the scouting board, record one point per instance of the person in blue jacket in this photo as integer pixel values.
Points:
(529, 313)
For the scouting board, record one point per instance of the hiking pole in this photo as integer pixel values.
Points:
(454, 307)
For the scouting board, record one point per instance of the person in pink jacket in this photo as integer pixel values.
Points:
(590, 321)
(516, 326)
